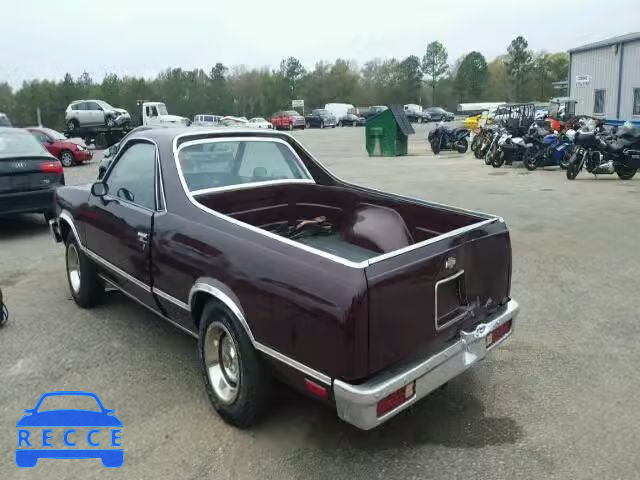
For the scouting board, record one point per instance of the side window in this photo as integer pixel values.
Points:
(267, 161)
(42, 137)
(132, 178)
(636, 101)
(154, 111)
(598, 101)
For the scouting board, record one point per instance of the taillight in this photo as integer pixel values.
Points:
(51, 167)
(498, 333)
(397, 398)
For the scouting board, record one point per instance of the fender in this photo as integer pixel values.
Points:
(66, 217)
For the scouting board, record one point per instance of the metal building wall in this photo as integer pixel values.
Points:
(602, 66)
(630, 79)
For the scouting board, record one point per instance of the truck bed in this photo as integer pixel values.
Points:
(362, 225)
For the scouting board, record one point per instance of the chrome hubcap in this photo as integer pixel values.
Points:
(73, 268)
(222, 362)
(66, 159)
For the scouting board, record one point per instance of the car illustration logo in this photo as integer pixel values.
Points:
(450, 263)
(69, 432)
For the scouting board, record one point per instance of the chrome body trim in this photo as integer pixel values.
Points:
(236, 309)
(54, 230)
(243, 186)
(356, 404)
(435, 302)
(133, 297)
(301, 246)
(170, 299)
(68, 218)
(97, 258)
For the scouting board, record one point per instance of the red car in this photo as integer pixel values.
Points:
(287, 120)
(69, 153)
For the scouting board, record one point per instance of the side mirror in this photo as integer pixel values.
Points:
(99, 189)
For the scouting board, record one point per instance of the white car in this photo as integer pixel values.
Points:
(95, 113)
(259, 122)
(230, 121)
(206, 120)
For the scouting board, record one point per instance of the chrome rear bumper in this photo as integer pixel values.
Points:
(54, 229)
(357, 404)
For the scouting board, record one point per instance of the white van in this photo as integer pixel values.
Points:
(339, 110)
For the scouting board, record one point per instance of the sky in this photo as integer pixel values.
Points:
(47, 38)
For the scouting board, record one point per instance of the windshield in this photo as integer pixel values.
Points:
(104, 105)
(214, 165)
(19, 143)
(54, 134)
(162, 109)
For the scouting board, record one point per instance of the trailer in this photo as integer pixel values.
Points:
(101, 136)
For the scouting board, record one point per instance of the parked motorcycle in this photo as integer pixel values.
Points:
(554, 150)
(444, 138)
(605, 156)
(500, 135)
(482, 140)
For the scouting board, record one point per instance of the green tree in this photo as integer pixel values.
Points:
(410, 79)
(471, 77)
(498, 82)
(292, 71)
(519, 64)
(434, 65)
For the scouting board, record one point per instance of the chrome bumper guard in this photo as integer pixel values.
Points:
(54, 229)
(356, 404)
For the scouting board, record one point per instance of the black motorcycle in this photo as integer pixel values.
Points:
(602, 155)
(444, 138)
(516, 149)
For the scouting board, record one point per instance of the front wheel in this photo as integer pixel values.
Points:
(321, 124)
(110, 122)
(291, 127)
(340, 124)
(529, 160)
(82, 276)
(462, 146)
(435, 145)
(307, 125)
(66, 158)
(237, 382)
(625, 173)
(72, 125)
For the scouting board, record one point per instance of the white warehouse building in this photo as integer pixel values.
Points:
(604, 77)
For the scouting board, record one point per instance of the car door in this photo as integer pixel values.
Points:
(119, 224)
(96, 114)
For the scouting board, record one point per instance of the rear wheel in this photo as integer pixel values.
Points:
(462, 146)
(72, 125)
(67, 159)
(340, 124)
(237, 382)
(498, 159)
(435, 145)
(84, 283)
(625, 173)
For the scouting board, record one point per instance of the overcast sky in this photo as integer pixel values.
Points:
(46, 38)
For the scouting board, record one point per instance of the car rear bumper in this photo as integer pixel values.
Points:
(357, 404)
(37, 201)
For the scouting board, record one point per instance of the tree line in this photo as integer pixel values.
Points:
(431, 80)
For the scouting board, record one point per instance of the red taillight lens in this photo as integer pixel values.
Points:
(498, 333)
(51, 167)
(396, 399)
(315, 389)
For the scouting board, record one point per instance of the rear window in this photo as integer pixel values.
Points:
(231, 163)
(19, 143)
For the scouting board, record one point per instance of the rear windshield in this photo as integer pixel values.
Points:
(19, 143)
(230, 163)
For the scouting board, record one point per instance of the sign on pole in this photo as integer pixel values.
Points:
(583, 80)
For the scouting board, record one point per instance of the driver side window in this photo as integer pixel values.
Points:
(132, 178)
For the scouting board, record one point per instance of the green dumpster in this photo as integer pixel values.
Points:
(387, 133)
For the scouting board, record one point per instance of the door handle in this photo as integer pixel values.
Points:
(143, 238)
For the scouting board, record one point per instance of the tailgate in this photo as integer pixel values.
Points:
(420, 298)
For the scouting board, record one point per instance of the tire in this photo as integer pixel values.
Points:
(340, 124)
(240, 392)
(529, 160)
(110, 122)
(462, 146)
(322, 124)
(625, 173)
(498, 160)
(67, 159)
(48, 215)
(355, 124)
(72, 125)
(87, 288)
(291, 127)
(307, 125)
(419, 119)
(435, 146)
(488, 158)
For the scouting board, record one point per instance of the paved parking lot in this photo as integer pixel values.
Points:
(558, 401)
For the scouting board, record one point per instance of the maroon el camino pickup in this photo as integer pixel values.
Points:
(367, 301)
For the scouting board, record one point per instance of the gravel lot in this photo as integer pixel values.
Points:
(557, 401)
